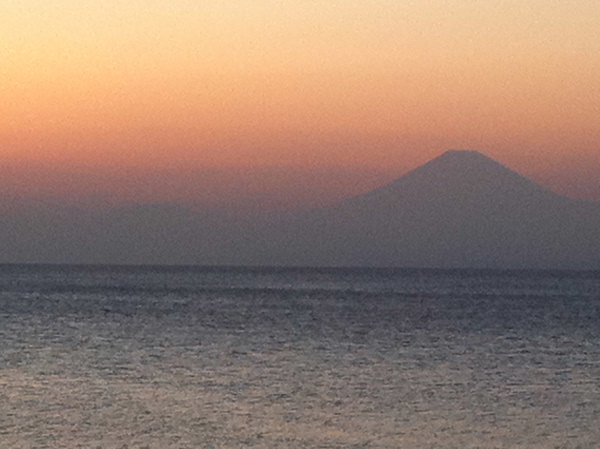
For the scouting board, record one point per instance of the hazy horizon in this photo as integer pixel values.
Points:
(250, 188)
(461, 209)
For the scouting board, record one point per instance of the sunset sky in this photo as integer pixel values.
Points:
(290, 102)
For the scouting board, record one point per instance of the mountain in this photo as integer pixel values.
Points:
(461, 209)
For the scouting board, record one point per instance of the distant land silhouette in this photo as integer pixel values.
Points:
(461, 209)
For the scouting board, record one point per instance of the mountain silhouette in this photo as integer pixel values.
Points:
(461, 209)
(455, 176)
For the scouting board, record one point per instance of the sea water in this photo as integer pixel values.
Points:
(188, 357)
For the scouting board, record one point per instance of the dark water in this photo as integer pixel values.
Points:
(155, 357)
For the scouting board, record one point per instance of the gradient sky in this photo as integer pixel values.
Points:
(208, 101)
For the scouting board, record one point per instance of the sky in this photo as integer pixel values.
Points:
(290, 103)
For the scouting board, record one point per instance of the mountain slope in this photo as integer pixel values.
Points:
(456, 176)
(461, 209)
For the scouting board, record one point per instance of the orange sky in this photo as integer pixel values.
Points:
(234, 87)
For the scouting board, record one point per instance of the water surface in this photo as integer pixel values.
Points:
(164, 357)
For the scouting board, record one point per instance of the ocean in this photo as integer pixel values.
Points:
(109, 357)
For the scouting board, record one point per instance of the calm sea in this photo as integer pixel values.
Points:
(163, 357)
